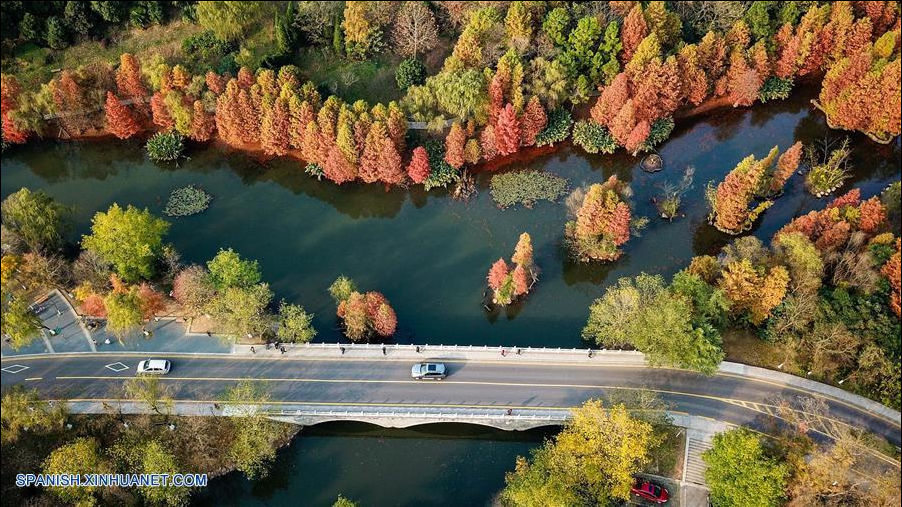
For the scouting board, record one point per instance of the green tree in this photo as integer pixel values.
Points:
(242, 310)
(130, 239)
(123, 312)
(411, 72)
(557, 26)
(150, 391)
(758, 19)
(20, 323)
(77, 14)
(295, 324)
(740, 474)
(254, 445)
(111, 12)
(31, 28)
(36, 217)
(591, 462)
(344, 502)
(228, 20)
(644, 313)
(228, 269)
(153, 458)
(341, 289)
(57, 34)
(81, 456)
(24, 411)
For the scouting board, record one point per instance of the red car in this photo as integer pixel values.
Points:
(650, 491)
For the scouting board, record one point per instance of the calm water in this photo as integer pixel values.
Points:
(429, 255)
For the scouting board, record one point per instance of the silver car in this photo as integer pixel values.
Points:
(428, 371)
(154, 367)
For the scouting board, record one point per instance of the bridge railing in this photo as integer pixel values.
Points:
(446, 348)
(456, 416)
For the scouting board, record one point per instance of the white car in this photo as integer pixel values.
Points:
(154, 367)
(428, 371)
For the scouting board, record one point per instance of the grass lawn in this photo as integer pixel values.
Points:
(667, 458)
(743, 346)
(35, 65)
(370, 80)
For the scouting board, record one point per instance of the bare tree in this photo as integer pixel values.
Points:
(415, 30)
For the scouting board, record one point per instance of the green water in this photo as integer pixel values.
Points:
(429, 255)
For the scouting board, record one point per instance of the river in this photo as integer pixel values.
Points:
(429, 255)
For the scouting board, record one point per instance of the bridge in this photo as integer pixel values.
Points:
(502, 387)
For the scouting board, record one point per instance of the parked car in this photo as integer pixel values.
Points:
(428, 371)
(650, 491)
(154, 367)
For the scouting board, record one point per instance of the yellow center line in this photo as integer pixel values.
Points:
(34, 378)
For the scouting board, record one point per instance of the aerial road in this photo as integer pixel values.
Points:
(471, 384)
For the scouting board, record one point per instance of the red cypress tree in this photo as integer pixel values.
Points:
(743, 82)
(9, 102)
(611, 100)
(497, 274)
(637, 137)
(507, 131)
(202, 123)
(454, 146)
(372, 150)
(692, 78)
(788, 46)
(534, 121)
(120, 121)
(228, 115)
(872, 214)
(246, 78)
(275, 135)
(418, 170)
(249, 129)
(129, 80)
(496, 94)
(488, 143)
(301, 115)
(786, 165)
(310, 149)
(215, 82)
(623, 124)
(892, 270)
(391, 168)
(160, 110)
(520, 278)
(634, 30)
(337, 168)
(657, 91)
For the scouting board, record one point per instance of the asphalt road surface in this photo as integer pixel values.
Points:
(386, 382)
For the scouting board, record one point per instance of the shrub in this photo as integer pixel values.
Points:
(557, 129)
(660, 131)
(205, 50)
(526, 187)
(314, 170)
(831, 172)
(775, 89)
(165, 146)
(187, 201)
(443, 173)
(411, 72)
(593, 138)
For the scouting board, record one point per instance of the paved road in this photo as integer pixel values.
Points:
(386, 382)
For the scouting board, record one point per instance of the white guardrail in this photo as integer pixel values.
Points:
(425, 415)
